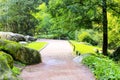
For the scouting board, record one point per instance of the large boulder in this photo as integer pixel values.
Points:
(116, 54)
(20, 53)
(12, 36)
(5, 70)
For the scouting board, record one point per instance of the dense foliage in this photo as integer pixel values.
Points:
(15, 15)
(63, 18)
(89, 36)
(114, 30)
(80, 20)
(102, 67)
(60, 18)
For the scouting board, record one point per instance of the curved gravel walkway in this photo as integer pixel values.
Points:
(57, 64)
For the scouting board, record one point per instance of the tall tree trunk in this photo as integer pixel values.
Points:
(105, 32)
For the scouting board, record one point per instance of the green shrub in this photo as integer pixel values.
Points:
(16, 70)
(113, 31)
(85, 37)
(102, 67)
(113, 39)
(89, 36)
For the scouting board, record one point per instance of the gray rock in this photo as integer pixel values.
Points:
(30, 38)
(12, 36)
(18, 37)
(78, 59)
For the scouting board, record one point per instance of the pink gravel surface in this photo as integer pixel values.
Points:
(57, 64)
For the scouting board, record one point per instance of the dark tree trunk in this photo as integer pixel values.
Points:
(105, 32)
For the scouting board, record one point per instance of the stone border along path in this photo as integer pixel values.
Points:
(57, 64)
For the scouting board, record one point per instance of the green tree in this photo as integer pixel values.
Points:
(44, 19)
(64, 17)
(15, 15)
(71, 15)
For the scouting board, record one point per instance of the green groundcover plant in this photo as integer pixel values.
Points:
(102, 67)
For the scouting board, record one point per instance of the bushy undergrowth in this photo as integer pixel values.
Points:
(89, 36)
(16, 70)
(102, 67)
(50, 36)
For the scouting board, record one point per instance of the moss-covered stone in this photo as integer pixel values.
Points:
(5, 70)
(8, 58)
(19, 52)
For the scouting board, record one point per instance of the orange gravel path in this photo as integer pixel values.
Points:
(57, 64)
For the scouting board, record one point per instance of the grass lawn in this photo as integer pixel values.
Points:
(84, 48)
(36, 45)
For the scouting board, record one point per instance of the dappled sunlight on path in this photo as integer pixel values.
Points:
(57, 64)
